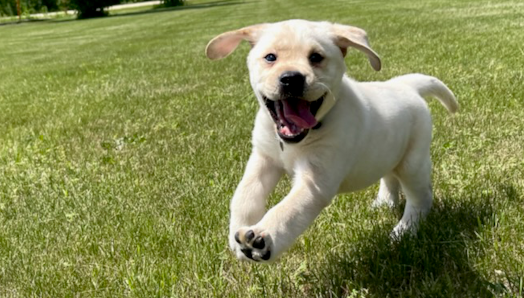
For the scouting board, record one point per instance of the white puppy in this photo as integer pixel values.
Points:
(330, 133)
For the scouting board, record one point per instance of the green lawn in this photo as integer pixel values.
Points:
(121, 146)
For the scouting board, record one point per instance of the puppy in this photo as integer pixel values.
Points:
(330, 133)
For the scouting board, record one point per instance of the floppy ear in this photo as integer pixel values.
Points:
(225, 43)
(348, 36)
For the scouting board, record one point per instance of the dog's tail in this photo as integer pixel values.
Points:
(430, 86)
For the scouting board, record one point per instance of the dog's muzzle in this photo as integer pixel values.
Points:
(294, 117)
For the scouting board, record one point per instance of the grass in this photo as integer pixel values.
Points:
(121, 146)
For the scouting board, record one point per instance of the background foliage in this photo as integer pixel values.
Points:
(8, 7)
(91, 8)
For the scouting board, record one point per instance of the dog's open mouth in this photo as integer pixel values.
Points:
(293, 116)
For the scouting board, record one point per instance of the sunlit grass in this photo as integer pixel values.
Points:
(121, 145)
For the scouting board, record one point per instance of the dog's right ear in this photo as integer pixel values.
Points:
(225, 43)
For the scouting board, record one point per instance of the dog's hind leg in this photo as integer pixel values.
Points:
(388, 192)
(415, 179)
(414, 174)
(419, 199)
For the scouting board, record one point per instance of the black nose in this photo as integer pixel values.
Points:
(292, 82)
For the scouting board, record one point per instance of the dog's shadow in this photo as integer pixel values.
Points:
(438, 261)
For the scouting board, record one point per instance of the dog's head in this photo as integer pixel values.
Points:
(296, 68)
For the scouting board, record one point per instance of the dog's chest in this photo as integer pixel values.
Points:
(266, 140)
(289, 155)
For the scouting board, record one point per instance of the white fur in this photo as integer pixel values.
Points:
(372, 131)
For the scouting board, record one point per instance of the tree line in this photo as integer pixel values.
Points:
(85, 8)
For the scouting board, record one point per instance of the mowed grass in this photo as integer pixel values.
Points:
(121, 146)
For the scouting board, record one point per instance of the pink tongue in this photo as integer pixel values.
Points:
(299, 113)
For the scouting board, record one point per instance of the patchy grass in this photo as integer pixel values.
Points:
(121, 146)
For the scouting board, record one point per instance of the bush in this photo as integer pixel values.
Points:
(170, 3)
(9, 10)
(8, 7)
(63, 5)
(91, 8)
(49, 5)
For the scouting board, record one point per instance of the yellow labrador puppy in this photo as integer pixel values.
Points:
(330, 133)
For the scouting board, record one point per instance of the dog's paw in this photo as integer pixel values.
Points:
(253, 244)
(384, 201)
(402, 229)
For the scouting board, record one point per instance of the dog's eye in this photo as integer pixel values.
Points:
(315, 58)
(270, 58)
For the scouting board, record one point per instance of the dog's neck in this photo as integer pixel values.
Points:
(330, 100)
(327, 105)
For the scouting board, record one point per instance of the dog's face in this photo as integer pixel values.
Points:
(296, 68)
(293, 68)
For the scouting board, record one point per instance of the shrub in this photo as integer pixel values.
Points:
(9, 10)
(170, 3)
(92, 8)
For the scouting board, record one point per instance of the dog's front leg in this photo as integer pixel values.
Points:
(278, 229)
(249, 201)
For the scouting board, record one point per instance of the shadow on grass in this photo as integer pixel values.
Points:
(437, 262)
(16, 22)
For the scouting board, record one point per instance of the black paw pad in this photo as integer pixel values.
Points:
(247, 253)
(249, 235)
(266, 256)
(237, 237)
(259, 243)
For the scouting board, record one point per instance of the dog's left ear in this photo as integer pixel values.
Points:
(348, 36)
(225, 43)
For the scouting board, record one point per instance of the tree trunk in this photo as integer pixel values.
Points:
(19, 10)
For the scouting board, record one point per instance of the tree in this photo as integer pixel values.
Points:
(23, 7)
(92, 8)
(63, 5)
(173, 2)
(19, 10)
